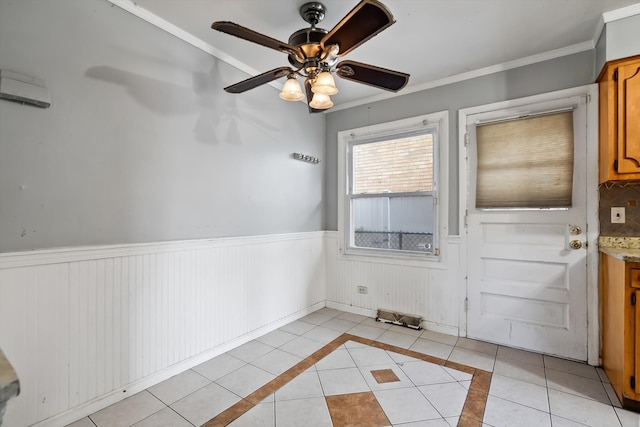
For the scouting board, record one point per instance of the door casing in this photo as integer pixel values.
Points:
(592, 224)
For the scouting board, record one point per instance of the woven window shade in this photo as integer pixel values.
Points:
(525, 163)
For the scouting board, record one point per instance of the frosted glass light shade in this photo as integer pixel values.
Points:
(291, 91)
(320, 101)
(324, 84)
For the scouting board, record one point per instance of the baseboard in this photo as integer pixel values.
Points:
(352, 309)
(102, 402)
(429, 326)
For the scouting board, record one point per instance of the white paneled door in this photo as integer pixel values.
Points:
(527, 267)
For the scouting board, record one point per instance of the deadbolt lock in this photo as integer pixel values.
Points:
(575, 230)
(575, 244)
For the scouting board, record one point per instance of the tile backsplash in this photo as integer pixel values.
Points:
(625, 195)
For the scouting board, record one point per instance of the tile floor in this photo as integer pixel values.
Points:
(337, 368)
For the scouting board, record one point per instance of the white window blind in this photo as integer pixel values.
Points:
(525, 163)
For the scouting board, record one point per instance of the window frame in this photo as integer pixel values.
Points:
(436, 123)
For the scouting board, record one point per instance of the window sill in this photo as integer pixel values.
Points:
(410, 259)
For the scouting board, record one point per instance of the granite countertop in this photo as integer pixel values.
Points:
(623, 248)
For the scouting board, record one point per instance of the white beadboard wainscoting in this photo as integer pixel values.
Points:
(86, 327)
(428, 289)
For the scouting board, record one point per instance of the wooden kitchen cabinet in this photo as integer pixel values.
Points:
(619, 120)
(620, 320)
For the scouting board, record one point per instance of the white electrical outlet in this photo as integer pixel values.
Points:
(617, 215)
(362, 289)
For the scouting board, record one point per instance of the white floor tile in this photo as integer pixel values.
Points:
(430, 423)
(338, 359)
(276, 362)
(331, 312)
(340, 325)
(303, 412)
(479, 346)
(250, 351)
(557, 421)
(204, 404)
(502, 413)
(367, 356)
(571, 367)
(316, 318)
(342, 381)
(603, 375)
(366, 331)
(261, 415)
(613, 397)
(219, 366)
(354, 344)
(439, 337)
(448, 398)
(521, 371)
(472, 358)
(304, 386)
(405, 405)
(575, 384)
(524, 393)
(164, 418)
(245, 380)
(628, 418)
(322, 335)
(458, 375)
(395, 338)
(178, 386)
(373, 322)
(406, 330)
(453, 421)
(425, 373)
(579, 409)
(128, 411)
(297, 327)
(276, 338)
(432, 348)
(522, 356)
(82, 422)
(355, 318)
(302, 347)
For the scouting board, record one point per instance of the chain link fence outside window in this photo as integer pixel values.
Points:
(398, 240)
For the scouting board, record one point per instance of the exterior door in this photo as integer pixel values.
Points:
(527, 267)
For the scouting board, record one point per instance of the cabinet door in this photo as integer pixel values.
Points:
(629, 118)
(632, 345)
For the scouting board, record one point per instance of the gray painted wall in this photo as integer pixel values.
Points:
(141, 144)
(619, 39)
(623, 38)
(561, 73)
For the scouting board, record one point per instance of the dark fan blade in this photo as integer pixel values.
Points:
(258, 80)
(366, 20)
(307, 86)
(253, 36)
(373, 76)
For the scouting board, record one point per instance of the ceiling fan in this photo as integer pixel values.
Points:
(314, 54)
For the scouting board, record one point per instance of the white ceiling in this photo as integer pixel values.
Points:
(433, 40)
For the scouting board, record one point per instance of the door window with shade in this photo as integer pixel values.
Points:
(525, 163)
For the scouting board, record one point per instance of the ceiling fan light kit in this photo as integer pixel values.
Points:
(291, 91)
(315, 52)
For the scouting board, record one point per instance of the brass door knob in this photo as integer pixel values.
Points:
(575, 230)
(575, 244)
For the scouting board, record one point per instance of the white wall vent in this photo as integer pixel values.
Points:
(24, 89)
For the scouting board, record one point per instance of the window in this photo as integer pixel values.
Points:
(390, 188)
